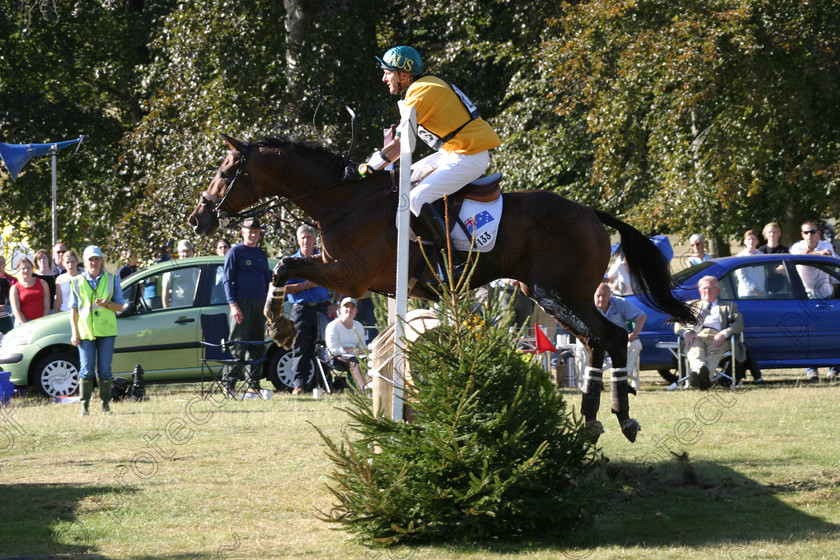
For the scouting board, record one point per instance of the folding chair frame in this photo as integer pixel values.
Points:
(219, 353)
(677, 349)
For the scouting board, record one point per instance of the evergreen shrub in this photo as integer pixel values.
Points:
(492, 451)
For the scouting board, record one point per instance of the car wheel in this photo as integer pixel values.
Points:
(57, 375)
(281, 373)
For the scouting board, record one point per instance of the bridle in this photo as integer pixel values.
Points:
(218, 205)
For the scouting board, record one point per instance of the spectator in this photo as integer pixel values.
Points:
(246, 279)
(509, 291)
(708, 340)
(627, 316)
(70, 262)
(129, 265)
(57, 264)
(30, 296)
(367, 317)
(818, 283)
(750, 278)
(773, 234)
(9, 282)
(222, 247)
(345, 339)
(618, 277)
(44, 271)
(178, 286)
(95, 298)
(310, 306)
(698, 246)
(151, 293)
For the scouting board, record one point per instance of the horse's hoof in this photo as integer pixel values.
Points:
(630, 428)
(594, 429)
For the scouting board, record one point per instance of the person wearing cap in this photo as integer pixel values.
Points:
(179, 285)
(310, 306)
(345, 339)
(698, 247)
(449, 123)
(246, 279)
(95, 297)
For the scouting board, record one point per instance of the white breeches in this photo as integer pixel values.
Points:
(451, 172)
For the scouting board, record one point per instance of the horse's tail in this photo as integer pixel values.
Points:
(649, 270)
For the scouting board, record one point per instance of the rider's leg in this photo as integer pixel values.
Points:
(452, 171)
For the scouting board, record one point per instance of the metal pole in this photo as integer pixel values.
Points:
(407, 128)
(54, 153)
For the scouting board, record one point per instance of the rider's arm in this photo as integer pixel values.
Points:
(388, 154)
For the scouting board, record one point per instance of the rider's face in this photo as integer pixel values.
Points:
(393, 79)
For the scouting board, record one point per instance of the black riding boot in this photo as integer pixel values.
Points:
(621, 406)
(435, 225)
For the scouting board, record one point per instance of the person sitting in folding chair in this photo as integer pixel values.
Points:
(707, 341)
(345, 339)
(246, 279)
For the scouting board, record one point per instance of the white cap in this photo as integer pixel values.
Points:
(92, 251)
(347, 300)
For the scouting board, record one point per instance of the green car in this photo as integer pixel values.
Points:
(160, 334)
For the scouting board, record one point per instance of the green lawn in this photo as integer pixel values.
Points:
(178, 477)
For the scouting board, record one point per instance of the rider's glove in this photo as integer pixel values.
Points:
(378, 161)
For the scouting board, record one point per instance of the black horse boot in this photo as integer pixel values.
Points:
(435, 225)
(591, 401)
(620, 388)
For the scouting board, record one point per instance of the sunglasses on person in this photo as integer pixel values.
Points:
(810, 231)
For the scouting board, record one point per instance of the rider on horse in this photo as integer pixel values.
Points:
(449, 123)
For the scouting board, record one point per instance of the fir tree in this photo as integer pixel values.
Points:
(492, 450)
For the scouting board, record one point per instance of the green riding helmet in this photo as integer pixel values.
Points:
(402, 59)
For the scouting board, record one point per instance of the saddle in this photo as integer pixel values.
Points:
(484, 189)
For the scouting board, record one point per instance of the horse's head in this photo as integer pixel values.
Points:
(230, 191)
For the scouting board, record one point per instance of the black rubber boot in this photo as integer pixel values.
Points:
(436, 227)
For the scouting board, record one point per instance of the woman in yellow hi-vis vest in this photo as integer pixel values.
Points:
(95, 297)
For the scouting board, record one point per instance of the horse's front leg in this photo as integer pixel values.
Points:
(335, 275)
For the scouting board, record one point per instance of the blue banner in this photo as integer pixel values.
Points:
(15, 156)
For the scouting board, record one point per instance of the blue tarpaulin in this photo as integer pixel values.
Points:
(15, 156)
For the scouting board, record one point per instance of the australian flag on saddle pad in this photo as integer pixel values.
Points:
(480, 220)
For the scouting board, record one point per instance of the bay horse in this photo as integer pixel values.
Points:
(558, 249)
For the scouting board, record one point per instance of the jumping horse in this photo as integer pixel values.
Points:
(558, 249)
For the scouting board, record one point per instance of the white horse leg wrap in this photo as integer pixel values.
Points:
(615, 374)
(591, 375)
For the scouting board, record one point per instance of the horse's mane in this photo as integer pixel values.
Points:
(303, 147)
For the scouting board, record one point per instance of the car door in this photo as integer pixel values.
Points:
(818, 308)
(768, 301)
(163, 340)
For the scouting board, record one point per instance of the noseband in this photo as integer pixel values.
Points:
(218, 206)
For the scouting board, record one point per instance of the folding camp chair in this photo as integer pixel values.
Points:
(218, 356)
(678, 350)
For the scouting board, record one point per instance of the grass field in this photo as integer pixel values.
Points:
(179, 477)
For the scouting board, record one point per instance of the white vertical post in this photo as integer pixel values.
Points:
(407, 128)
(54, 152)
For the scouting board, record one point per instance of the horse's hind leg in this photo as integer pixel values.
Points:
(615, 342)
(600, 336)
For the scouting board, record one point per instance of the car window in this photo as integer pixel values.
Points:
(217, 290)
(686, 273)
(177, 287)
(768, 280)
(821, 280)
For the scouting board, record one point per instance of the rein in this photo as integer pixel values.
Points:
(217, 205)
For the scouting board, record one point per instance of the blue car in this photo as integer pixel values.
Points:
(789, 303)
